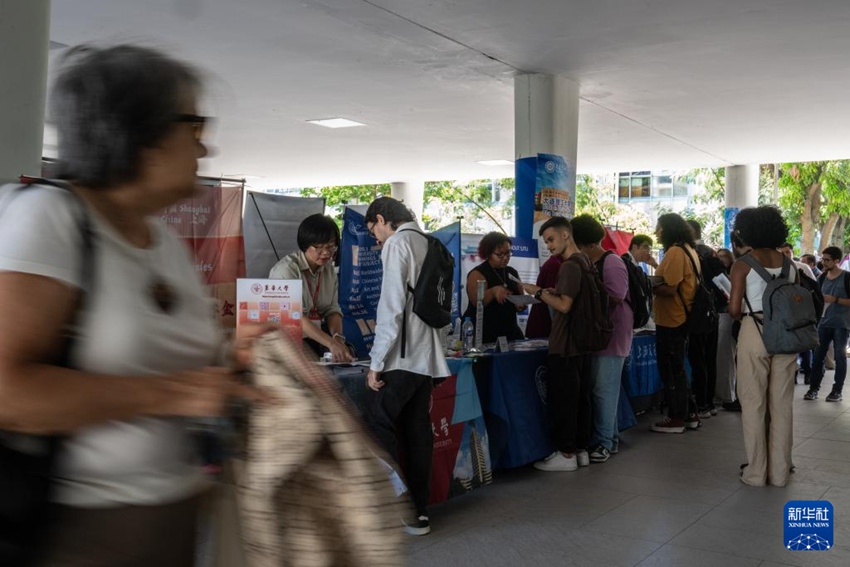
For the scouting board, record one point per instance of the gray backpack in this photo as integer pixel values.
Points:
(790, 321)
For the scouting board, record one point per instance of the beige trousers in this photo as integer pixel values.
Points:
(766, 393)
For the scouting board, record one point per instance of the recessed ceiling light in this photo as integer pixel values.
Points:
(336, 123)
(495, 162)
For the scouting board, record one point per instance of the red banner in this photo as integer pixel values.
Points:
(210, 223)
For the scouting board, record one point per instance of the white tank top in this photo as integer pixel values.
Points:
(755, 288)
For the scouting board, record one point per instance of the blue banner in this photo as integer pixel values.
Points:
(545, 187)
(360, 274)
(450, 237)
(728, 224)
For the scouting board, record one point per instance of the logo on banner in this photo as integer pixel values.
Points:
(540, 381)
(809, 525)
(257, 288)
(550, 167)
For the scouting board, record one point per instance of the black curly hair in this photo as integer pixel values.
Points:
(490, 242)
(674, 230)
(761, 227)
(587, 230)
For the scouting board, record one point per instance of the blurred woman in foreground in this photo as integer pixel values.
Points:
(146, 353)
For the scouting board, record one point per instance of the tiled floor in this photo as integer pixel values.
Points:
(664, 500)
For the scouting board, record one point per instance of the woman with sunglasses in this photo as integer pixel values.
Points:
(313, 264)
(91, 254)
(502, 280)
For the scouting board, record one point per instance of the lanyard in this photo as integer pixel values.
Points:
(314, 294)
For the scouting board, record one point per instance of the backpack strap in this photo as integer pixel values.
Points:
(765, 275)
(697, 274)
(847, 283)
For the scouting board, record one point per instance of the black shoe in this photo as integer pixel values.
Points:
(834, 396)
(419, 526)
(810, 395)
(732, 406)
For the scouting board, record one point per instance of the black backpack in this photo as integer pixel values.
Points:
(640, 293)
(702, 317)
(711, 267)
(813, 287)
(590, 323)
(432, 295)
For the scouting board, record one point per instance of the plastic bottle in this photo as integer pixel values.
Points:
(468, 333)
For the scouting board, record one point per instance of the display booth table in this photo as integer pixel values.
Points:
(641, 380)
(512, 387)
(461, 458)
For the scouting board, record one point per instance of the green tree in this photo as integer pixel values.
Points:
(338, 196)
(472, 203)
(800, 199)
(708, 205)
(596, 197)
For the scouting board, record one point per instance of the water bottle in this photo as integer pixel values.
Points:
(468, 332)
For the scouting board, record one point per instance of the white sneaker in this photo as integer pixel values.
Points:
(557, 462)
(583, 459)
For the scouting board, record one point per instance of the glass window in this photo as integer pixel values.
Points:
(680, 188)
(624, 187)
(641, 187)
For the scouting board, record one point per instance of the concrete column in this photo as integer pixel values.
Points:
(24, 44)
(742, 190)
(546, 116)
(546, 113)
(413, 195)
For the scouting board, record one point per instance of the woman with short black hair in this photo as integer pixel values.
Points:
(313, 264)
(500, 315)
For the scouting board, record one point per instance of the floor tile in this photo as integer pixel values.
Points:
(650, 518)
(674, 555)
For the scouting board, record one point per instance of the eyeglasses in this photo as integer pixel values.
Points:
(325, 248)
(371, 229)
(502, 255)
(197, 122)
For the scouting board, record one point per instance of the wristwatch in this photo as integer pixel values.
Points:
(539, 294)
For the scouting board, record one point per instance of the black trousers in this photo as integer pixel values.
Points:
(702, 354)
(671, 346)
(401, 409)
(568, 396)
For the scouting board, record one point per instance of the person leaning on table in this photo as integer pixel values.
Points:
(127, 486)
(321, 320)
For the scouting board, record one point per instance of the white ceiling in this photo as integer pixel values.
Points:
(664, 83)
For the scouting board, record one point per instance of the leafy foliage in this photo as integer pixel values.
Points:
(597, 197)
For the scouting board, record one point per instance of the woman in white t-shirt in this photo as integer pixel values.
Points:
(765, 381)
(126, 485)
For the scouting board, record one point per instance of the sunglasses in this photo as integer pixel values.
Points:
(197, 122)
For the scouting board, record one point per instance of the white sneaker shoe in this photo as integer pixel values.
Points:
(583, 458)
(557, 462)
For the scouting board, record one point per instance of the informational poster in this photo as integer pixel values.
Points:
(210, 223)
(545, 187)
(360, 275)
(270, 301)
(524, 261)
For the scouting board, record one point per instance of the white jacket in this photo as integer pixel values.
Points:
(403, 255)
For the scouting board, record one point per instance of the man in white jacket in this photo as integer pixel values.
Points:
(406, 354)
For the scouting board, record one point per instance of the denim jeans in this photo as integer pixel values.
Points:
(671, 345)
(606, 376)
(828, 335)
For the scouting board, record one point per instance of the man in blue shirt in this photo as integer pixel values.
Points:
(834, 326)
